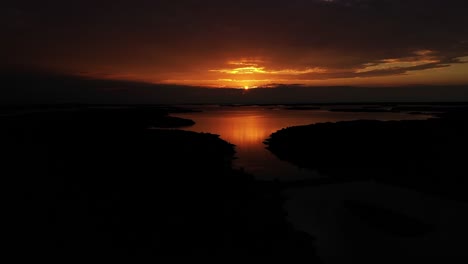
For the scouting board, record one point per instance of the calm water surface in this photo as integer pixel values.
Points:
(340, 235)
(248, 126)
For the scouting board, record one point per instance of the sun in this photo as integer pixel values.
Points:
(246, 87)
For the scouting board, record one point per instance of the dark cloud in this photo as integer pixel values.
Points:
(162, 40)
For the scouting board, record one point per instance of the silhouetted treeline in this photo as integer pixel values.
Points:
(303, 108)
(98, 182)
(360, 110)
(425, 155)
(412, 108)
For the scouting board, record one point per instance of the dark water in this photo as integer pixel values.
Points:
(248, 126)
(321, 211)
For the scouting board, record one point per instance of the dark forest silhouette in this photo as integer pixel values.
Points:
(121, 180)
(98, 182)
(425, 155)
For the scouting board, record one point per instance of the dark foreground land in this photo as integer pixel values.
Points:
(392, 190)
(424, 155)
(87, 182)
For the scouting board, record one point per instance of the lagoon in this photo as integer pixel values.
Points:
(248, 126)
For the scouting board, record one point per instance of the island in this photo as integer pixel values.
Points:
(424, 155)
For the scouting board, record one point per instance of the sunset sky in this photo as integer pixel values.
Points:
(242, 43)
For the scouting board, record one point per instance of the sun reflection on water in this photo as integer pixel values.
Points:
(247, 127)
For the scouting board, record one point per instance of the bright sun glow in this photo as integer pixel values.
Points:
(246, 87)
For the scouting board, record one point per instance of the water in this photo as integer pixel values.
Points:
(342, 237)
(248, 126)
(320, 210)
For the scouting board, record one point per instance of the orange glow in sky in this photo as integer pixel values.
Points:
(420, 69)
(423, 67)
(243, 43)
